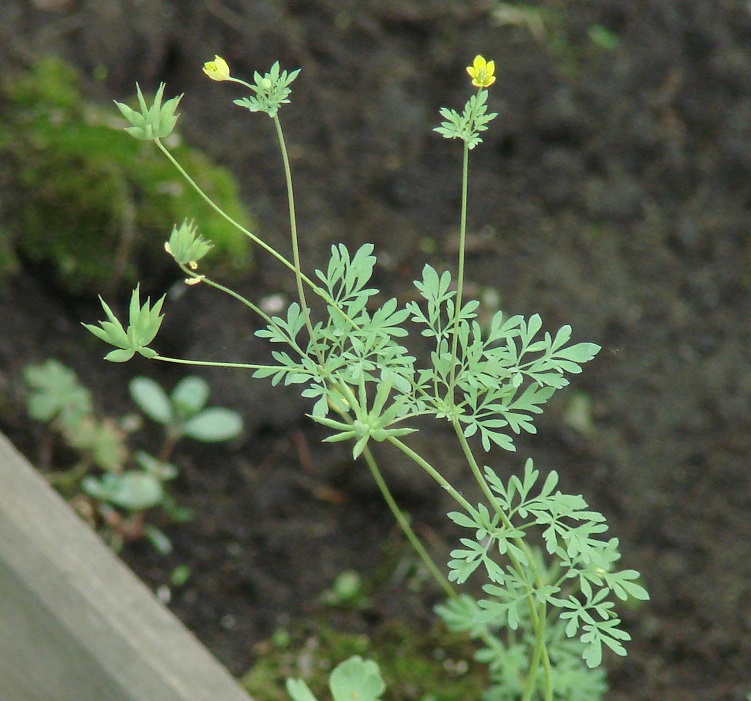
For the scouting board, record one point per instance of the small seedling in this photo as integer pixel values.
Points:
(183, 413)
(356, 679)
(347, 591)
(113, 487)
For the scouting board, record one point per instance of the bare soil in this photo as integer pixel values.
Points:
(613, 193)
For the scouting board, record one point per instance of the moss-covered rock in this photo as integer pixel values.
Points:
(91, 204)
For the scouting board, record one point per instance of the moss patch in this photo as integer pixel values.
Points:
(93, 205)
(415, 665)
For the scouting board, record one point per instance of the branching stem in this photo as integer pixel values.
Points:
(425, 465)
(260, 242)
(537, 616)
(404, 524)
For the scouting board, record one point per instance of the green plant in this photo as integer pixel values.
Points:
(346, 591)
(183, 413)
(115, 487)
(353, 679)
(549, 576)
(82, 189)
(415, 667)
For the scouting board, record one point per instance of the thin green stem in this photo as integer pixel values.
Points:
(300, 277)
(217, 364)
(537, 617)
(236, 295)
(476, 471)
(460, 267)
(548, 673)
(293, 236)
(266, 247)
(404, 524)
(425, 465)
(398, 514)
(534, 664)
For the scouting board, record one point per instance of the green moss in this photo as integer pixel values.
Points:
(91, 203)
(415, 665)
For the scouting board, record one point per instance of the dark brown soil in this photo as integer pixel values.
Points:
(613, 193)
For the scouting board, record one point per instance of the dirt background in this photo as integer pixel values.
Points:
(613, 193)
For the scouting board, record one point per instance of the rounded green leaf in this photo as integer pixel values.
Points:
(214, 425)
(120, 356)
(356, 679)
(151, 399)
(134, 490)
(94, 488)
(299, 690)
(190, 395)
(131, 490)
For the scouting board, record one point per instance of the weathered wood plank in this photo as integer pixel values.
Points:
(75, 622)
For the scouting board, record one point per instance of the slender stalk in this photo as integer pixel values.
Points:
(293, 236)
(236, 295)
(300, 277)
(404, 524)
(244, 300)
(548, 674)
(538, 618)
(398, 514)
(460, 266)
(425, 465)
(217, 364)
(266, 247)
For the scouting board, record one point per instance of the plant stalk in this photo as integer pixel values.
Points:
(404, 524)
(460, 268)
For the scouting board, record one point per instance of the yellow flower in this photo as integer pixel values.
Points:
(216, 69)
(481, 72)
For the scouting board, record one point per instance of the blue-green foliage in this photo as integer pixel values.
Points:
(467, 125)
(547, 609)
(542, 552)
(271, 91)
(494, 385)
(572, 577)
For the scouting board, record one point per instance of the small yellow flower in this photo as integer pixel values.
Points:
(216, 69)
(481, 72)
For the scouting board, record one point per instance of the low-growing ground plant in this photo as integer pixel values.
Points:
(432, 665)
(115, 488)
(547, 571)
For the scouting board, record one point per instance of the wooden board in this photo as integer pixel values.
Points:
(75, 623)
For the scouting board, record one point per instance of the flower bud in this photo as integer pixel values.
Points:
(186, 245)
(217, 69)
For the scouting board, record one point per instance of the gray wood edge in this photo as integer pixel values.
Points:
(75, 623)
